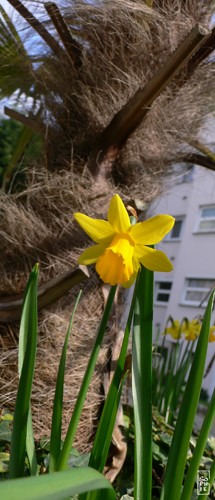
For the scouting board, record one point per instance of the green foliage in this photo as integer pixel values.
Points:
(170, 368)
(170, 463)
(162, 434)
(18, 148)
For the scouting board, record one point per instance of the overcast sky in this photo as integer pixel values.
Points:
(6, 5)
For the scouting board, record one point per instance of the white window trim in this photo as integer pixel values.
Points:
(206, 291)
(198, 230)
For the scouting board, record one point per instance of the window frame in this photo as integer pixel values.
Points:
(206, 290)
(201, 219)
(164, 291)
(168, 237)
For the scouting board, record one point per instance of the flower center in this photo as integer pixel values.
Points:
(115, 265)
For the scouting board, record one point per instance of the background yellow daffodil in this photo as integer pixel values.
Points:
(212, 334)
(193, 330)
(174, 330)
(121, 247)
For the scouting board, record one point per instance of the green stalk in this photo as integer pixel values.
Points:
(160, 376)
(199, 449)
(180, 379)
(62, 463)
(27, 355)
(142, 385)
(178, 452)
(104, 432)
(55, 441)
(169, 382)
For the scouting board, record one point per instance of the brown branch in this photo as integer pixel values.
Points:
(202, 148)
(37, 26)
(132, 114)
(25, 120)
(197, 159)
(72, 47)
(202, 53)
(49, 292)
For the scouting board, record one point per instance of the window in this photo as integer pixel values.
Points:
(162, 291)
(207, 219)
(197, 291)
(175, 234)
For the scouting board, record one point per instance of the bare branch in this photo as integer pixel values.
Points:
(202, 148)
(132, 114)
(72, 47)
(197, 159)
(49, 292)
(202, 53)
(25, 120)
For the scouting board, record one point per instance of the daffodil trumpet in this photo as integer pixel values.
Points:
(122, 247)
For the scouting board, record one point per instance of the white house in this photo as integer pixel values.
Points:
(191, 248)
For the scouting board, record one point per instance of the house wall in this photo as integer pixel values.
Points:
(192, 255)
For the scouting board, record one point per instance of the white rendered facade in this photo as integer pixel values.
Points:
(191, 248)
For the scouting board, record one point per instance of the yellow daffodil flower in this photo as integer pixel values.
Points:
(212, 334)
(174, 330)
(193, 330)
(121, 247)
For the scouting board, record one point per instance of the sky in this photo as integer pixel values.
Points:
(6, 6)
(14, 15)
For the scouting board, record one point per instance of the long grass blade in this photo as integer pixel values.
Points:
(180, 443)
(62, 463)
(27, 354)
(142, 386)
(58, 486)
(55, 441)
(199, 449)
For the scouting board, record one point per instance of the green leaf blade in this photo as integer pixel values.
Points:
(57, 486)
(62, 462)
(55, 441)
(142, 385)
(27, 355)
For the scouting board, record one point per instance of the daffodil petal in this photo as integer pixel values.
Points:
(132, 279)
(91, 255)
(155, 260)
(151, 231)
(98, 230)
(118, 216)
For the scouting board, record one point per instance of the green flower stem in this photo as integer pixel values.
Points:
(62, 463)
(199, 449)
(99, 453)
(142, 385)
(160, 375)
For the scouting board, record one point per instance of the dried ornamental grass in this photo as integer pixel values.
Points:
(124, 45)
